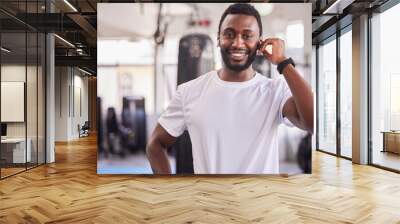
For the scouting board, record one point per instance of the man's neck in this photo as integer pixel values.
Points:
(234, 76)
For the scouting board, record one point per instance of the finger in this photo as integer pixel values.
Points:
(268, 56)
(268, 49)
(261, 46)
(269, 41)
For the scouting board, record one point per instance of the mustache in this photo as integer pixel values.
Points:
(244, 50)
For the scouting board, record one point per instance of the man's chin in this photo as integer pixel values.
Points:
(237, 67)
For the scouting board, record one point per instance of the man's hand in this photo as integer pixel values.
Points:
(278, 50)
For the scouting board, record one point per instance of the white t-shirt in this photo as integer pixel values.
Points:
(232, 125)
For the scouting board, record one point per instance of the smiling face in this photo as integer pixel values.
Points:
(239, 39)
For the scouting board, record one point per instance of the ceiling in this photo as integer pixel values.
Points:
(134, 22)
(76, 21)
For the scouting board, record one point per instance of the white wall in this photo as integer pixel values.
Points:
(12, 73)
(68, 83)
(61, 103)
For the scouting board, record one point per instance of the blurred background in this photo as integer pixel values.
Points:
(142, 56)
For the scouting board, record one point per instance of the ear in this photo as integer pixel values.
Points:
(259, 52)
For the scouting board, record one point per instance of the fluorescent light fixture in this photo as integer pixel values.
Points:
(264, 8)
(5, 49)
(64, 40)
(338, 6)
(86, 72)
(70, 5)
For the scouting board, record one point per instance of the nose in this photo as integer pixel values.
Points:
(238, 41)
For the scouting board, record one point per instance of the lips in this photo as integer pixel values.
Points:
(237, 55)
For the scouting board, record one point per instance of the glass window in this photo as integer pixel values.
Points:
(313, 84)
(14, 151)
(346, 94)
(22, 92)
(41, 79)
(327, 97)
(31, 99)
(385, 84)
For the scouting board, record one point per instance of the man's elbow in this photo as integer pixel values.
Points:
(304, 123)
(310, 129)
(151, 148)
(308, 125)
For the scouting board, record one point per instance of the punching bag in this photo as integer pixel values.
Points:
(134, 123)
(195, 58)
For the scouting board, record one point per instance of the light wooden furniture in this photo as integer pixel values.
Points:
(391, 141)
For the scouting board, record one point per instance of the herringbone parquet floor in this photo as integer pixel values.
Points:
(70, 191)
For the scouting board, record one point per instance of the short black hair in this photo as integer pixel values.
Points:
(241, 8)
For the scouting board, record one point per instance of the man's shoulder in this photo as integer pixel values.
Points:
(197, 82)
(271, 83)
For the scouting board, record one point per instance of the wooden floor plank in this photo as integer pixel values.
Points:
(70, 191)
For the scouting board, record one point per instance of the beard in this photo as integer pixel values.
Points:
(251, 55)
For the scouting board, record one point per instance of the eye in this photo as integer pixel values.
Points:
(247, 36)
(228, 34)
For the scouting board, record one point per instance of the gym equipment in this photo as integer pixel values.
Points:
(128, 124)
(304, 154)
(134, 123)
(113, 135)
(100, 131)
(195, 58)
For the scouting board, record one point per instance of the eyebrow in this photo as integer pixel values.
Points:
(231, 29)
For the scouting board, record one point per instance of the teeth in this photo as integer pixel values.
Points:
(237, 54)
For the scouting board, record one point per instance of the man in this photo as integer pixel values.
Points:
(232, 115)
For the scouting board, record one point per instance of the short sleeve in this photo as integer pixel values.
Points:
(285, 94)
(173, 119)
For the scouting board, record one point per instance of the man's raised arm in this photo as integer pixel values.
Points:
(299, 108)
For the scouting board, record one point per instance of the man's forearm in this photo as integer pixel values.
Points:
(302, 95)
(158, 158)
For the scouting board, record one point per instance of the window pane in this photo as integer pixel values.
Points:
(13, 87)
(327, 97)
(31, 97)
(346, 94)
(41, 98)
(385, 85)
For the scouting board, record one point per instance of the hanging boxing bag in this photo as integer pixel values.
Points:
(195, 58)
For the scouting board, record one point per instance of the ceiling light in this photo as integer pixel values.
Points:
(264, 8)
(5, 50)
(70, 5)
(86, 72)
(64, 40)
(337, 7)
